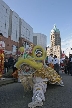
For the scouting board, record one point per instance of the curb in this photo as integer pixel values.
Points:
(7, 81)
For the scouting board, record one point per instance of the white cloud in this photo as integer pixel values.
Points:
(48, 45)
(66, 45)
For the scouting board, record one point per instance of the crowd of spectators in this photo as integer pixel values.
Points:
(9, 63)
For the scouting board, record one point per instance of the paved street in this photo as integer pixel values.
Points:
(13, 95)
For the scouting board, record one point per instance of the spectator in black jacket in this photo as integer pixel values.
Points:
(14, 68)
(70, 63)
(68, 67)
(66, 64)
(11, 61)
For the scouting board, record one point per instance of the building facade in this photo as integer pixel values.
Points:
(55, 37)
(10, 45)
(25, 30)
(57, 51)
(48, 50)
(40, 39)
(55, 40)
(4, 18)
(13, 27)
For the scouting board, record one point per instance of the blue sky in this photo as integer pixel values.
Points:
(43, 14)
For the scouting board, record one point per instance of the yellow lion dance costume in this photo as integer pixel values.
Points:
(34, 74)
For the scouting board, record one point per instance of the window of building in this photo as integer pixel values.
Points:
(56, 35)
(26, 31)
(29, 33)
(16, 16)
(52, 43)
(16, 34)
(51, 37)
(6, 10)
(5, 25)
(7, 44)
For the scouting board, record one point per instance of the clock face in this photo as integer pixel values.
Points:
(27, 69)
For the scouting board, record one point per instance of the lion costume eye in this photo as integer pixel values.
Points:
(39, 53)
